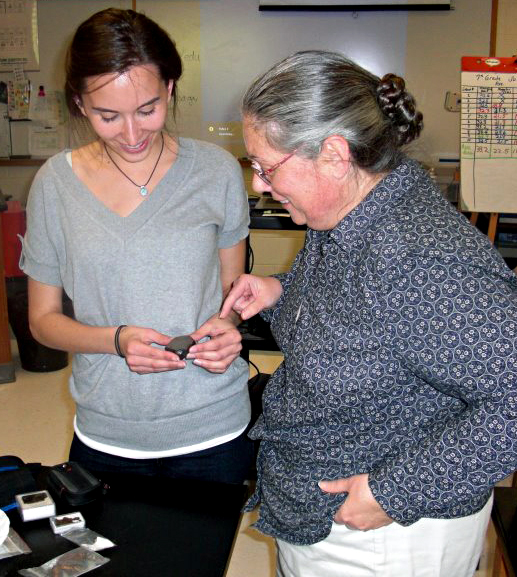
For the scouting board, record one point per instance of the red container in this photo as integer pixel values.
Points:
(14, 223)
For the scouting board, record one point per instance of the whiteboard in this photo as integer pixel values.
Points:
(489, 139)
(225, 44)
(357, 4)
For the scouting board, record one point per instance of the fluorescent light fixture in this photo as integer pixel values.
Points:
(354, 5)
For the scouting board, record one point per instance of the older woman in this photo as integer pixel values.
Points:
(394, 412)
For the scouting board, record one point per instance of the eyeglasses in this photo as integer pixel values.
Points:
(264, 174)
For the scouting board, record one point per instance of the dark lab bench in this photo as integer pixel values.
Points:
(164, 527)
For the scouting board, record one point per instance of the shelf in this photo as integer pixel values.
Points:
(22, 161)
(244, 162)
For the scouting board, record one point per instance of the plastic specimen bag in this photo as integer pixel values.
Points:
(70, 564)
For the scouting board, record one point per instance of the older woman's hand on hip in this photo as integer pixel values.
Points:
(360, 510)
(251, 294)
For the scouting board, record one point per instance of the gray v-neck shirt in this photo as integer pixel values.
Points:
(157, 268)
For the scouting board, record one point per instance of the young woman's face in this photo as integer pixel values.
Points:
(127, 111)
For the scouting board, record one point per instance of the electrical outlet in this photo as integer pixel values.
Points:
(453, 101)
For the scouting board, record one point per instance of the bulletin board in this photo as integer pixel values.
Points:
(489, 134)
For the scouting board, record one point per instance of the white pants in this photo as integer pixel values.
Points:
(428, 548)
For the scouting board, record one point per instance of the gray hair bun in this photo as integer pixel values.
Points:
(399, 106)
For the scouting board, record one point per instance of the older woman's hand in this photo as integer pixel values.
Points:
(360, 510)
(220, 350)
(251, 294)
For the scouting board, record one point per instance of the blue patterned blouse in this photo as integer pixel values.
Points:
(398, 329)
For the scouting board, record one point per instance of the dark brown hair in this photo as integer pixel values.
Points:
(112, 41)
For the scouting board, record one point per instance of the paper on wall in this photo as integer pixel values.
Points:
(45, 141)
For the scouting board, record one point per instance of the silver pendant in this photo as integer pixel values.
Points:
(144, 191)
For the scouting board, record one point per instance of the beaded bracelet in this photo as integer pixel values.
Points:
(117, 343)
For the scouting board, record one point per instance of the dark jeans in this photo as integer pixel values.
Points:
(227, 463)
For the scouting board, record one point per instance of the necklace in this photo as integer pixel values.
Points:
(142, 187)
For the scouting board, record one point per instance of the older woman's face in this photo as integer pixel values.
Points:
(310, 196)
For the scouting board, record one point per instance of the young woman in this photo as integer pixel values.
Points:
(145, 232)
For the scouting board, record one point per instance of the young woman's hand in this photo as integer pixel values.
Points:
(141, 357)
(222, 347)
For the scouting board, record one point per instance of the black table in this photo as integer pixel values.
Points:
(504, 517)
(278, 221)
(161, 528)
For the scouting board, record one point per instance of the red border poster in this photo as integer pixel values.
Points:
(489, 134)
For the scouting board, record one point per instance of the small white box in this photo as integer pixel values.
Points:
(35, 505)
(63, 523)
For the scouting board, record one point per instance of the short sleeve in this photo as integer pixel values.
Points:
(237, 219)
(39, 258)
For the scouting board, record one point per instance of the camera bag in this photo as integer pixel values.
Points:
(15, 477)
(73, 484)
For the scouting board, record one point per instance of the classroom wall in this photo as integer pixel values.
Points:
(426, 50)
(436, 41)
(506, 44)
